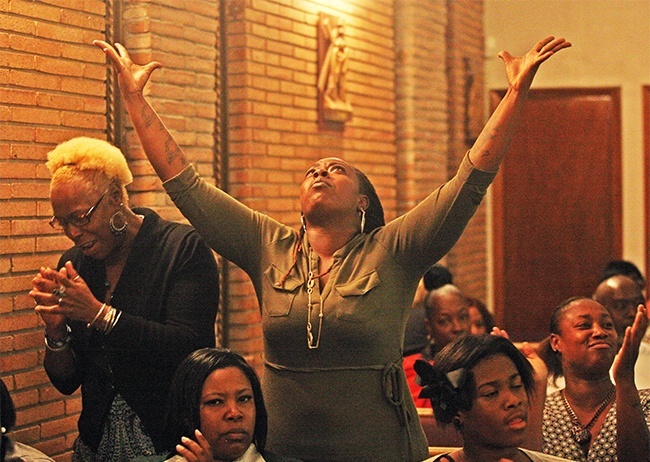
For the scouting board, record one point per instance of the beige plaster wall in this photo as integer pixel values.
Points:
(611, 48)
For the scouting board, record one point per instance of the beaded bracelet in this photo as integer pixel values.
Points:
(58, 345)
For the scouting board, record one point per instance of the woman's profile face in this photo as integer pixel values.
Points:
(499, 413)
(72, 199)
(227, 413)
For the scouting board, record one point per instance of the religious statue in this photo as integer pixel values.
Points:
(333, 69)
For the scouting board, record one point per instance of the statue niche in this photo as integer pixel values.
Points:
(333, 54)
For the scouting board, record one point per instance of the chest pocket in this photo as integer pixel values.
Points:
(280, 298)
(357, 298)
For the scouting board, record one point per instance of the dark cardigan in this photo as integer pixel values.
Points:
(168, 293)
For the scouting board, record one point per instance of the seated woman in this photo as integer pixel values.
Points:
(216, 410)
(482, 384)
(591, 419)
(11, 450)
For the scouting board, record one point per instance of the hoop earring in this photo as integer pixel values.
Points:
(303, 222)
(118, 230)
(363, 220)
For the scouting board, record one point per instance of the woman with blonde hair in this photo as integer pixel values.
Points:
(127, 303)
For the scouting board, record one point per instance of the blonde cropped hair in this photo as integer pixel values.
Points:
(90, 159)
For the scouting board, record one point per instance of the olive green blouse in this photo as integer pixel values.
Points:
(346, 400)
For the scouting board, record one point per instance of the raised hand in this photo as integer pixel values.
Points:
(625, 361)
(131, 77)
(520, 70)
(195, 451)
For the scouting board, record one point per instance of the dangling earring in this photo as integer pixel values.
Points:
(457, 423)
(303, 223)
(363, 219)
(115, 230)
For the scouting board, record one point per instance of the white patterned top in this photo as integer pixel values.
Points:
(556, 431)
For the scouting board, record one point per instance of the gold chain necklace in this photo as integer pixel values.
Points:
(581, 432)
(312, 343)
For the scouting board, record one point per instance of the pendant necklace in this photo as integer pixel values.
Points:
(312, 343)
(581, 432)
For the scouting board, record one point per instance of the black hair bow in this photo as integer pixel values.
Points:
(442, 389)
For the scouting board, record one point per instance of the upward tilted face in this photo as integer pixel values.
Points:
(499, 413)
(331, 184)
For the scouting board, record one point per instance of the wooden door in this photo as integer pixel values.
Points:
(557, 205)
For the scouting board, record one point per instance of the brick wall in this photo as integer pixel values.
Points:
(51, 89)
(465, 44)
(438, 43)
(422, 102)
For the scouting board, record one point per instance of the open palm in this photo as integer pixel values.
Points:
(131, 77)
(520, 70)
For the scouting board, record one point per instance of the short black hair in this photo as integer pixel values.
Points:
(625, 268)
(184, 416)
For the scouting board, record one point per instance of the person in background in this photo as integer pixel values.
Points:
(447, 318)
(481, 320)
(129, 301)
(216, 410)
(334, 295)
(416, 335)
(621, 296)
(11, 450)
(592, 419)
(625, 268)
(482, 384)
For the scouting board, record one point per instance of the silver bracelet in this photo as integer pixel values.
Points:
(92, 323)
(58, 345)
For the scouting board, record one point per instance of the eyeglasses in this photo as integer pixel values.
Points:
(76, 220)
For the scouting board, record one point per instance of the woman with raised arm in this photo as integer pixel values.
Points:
(334, 295)
(591, 419)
